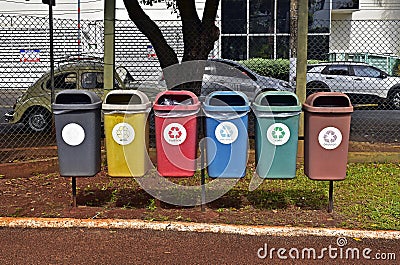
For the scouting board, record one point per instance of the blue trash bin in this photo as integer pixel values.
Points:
(226, 129)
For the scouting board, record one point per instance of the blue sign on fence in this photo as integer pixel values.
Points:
(29, 56)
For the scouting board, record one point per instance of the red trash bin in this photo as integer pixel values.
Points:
(176, 133)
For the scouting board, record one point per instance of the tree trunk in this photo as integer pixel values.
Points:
(165, 54)
(199, 37)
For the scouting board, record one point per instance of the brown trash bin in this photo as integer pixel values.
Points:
(327, 118)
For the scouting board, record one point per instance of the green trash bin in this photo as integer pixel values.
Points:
(276, 134)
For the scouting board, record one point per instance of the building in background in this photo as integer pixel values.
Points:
(338, 29)
(261, 28)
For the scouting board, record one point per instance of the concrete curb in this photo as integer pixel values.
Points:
(193, 227)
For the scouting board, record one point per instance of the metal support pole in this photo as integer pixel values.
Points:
(330, 206)
(79, 28)
(202, 161)
(74, 192)
(51, 50)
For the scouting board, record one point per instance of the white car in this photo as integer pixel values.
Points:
(363, 83)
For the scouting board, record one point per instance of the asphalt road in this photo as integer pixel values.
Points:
(131, 246)
(375, 126)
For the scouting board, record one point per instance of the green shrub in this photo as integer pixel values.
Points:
(396, 68)
(273, 68)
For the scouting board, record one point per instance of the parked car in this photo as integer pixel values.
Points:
(363, 83)
(33, 108)
(234, 75)
(223, 74)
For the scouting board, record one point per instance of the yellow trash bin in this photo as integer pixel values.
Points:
(126, 133)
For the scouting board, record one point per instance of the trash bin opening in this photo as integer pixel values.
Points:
(279, 100)
(331, 101)
(73, 99)
(230, 100)
(175, 100)
(123, 99)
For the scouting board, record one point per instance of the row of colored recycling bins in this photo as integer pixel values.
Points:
(78, 130)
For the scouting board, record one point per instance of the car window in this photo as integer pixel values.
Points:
(337, 70)
(63, 81)
(92, 80)
(124, 75)
(314, 68)
(366, 71)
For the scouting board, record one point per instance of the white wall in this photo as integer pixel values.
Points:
(375, 28)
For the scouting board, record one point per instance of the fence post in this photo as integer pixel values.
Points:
(301, 67)
(109, 44)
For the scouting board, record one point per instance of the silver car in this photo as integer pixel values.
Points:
(226, 74)
(222, 74)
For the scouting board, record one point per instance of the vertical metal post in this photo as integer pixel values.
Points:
(74, 192)
(330, 206)
(51, 50)
(202, 161)
(79, 28)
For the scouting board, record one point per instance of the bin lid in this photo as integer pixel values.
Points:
(277, 101)
(328, 102)
(126, 100)
(226, 101)
(73, 99)
(176, 100)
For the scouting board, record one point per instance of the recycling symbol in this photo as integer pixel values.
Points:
(330, 138)
(123, 133)
(174, 133)
(226, 132)
(278, 134)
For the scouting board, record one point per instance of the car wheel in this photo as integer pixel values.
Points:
(38, 120)
(394, 99)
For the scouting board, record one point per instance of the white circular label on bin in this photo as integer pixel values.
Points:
(330, 138)
(278, 134)
(175, 134)
(226, 132)
(123, 133)
(73, 134)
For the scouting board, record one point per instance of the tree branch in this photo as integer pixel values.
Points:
(210, 11)
(187, 10)
(165, 54)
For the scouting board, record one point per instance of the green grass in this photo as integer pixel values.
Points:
(370, 196)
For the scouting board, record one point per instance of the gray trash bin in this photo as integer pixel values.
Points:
(77, 116)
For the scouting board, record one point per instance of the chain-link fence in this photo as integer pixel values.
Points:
(359, 58)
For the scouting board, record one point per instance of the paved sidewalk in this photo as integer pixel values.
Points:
(76, 241)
